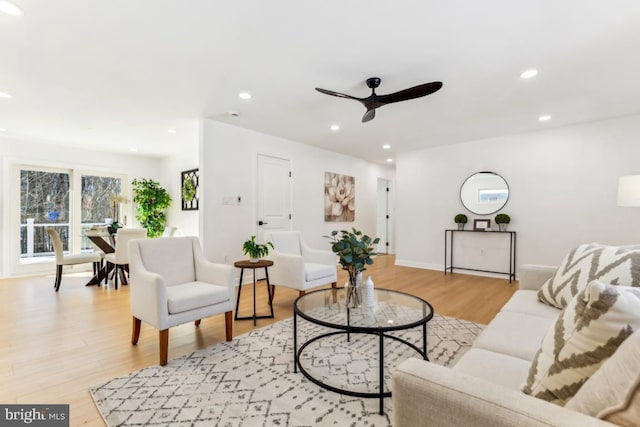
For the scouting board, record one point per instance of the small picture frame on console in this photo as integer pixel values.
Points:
(481, 224)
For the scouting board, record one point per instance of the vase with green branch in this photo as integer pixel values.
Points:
(354, 250)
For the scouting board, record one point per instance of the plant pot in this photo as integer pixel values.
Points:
(502, 227)
(254, 260)
(353, 292)
(461, 226)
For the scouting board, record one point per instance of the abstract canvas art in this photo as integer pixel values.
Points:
(339, 197)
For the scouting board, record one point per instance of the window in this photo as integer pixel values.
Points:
(49, 197)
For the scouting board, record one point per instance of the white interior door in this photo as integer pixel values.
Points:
(274, 195)
(383, 216)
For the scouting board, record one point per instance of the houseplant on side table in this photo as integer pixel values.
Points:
(354, 250)
(255, 250)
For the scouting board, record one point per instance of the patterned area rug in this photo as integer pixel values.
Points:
(250, 380)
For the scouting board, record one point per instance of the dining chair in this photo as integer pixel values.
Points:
(296, 265)
(70, 259)
(172, 283)
(120, 258)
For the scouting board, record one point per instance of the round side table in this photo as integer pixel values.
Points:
(263, 263)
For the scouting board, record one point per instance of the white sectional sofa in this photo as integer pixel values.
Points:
(483, 388)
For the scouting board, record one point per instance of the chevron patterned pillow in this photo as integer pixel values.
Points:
(587, 332)
(617, 265)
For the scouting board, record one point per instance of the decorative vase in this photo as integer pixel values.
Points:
(367, 293)
(353, 290)
(502, 227)
(460, 226)
(254, 260)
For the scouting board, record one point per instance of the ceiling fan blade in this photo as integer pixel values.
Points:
(332, 93)
(411, 93)
(369, 115)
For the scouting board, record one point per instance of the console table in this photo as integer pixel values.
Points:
(448, 252)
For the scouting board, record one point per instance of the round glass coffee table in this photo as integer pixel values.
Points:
(380, 312)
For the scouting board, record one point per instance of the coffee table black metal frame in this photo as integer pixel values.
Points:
(380, 331)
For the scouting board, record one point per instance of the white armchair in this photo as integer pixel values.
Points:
(296, 265)
(171, 283)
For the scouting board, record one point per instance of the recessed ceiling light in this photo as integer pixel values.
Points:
(244, 95)
(335, 127)
(529, 73)
(5, 95)
(544, 118)
(389, 160)
(172, 131)
(3, 129)
(386, 146)
(10, 8)
(133, 150)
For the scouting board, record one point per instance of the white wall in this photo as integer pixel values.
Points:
(563, 190)
(228, 164)
(186, 159)
(13, 151)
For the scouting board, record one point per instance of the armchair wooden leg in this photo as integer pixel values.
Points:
(272, 289)
(228, 320)
(334, 285)
(164, 346)
(300, 293)
(197, 322)
(135, 330)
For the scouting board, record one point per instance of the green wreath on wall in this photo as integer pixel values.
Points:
(188, 190)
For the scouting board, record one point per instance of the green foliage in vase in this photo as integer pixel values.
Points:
(460, 219)
(254, 249)
(152, 201)
(354, 250)
(503, 219)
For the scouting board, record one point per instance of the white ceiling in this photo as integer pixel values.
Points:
(117, 74)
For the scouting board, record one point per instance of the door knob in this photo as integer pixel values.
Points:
(262, 223)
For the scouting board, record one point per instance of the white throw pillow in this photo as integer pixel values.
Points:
(586, 333)
(613, 392)
(617, 265)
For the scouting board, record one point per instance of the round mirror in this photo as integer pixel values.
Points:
(484, 193)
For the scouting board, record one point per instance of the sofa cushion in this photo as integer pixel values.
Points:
(613, 392)
(611, 264)
(587, 332)
(318, 271)
(515, 334)
(193, 295)
(526, 302)
(497, 368)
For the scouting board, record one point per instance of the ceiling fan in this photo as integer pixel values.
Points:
(374, 100)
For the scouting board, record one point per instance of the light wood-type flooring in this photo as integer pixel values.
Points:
(54, 346)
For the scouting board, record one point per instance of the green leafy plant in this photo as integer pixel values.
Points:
(255, 249)
(354, 250)
(461, 219)
(503, 219)
(188, 190)
(152, 201)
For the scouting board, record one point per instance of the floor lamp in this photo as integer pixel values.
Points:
(629, 190)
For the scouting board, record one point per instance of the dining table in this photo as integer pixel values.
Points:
(106, 242)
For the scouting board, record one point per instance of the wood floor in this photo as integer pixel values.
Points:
(54, 346)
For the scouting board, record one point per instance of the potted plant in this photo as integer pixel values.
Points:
(255, 250)
(152, 201)
(461, 220)
(502, 220)
(354, 250)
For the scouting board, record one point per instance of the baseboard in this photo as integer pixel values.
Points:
(440, 267)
